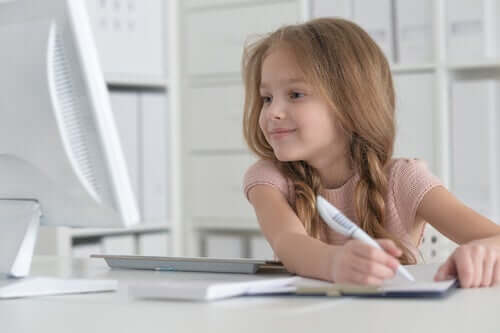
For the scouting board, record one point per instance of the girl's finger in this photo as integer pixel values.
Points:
(477, 256)
(496, 273)
(447, 269)
(465, 268)
(361, 278)
(488, 269)
(377, 255)
(372, 268)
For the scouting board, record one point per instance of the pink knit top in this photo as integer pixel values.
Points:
(409, 181)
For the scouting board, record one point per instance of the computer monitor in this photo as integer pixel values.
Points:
(61, 161)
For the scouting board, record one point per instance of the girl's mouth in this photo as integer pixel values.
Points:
(281, 133)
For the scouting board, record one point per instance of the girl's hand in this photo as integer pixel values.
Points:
(475, 264)
(360, 263)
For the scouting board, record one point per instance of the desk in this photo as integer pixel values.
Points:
(471, 310)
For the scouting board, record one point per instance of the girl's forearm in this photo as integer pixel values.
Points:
(493, 240)
(305, 256)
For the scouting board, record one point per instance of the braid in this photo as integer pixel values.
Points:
(370, 193)
(307, 186)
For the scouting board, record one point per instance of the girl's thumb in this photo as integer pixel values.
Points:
(446, 270)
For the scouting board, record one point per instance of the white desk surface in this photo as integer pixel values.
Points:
(467, 310)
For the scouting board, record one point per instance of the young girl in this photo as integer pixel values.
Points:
(319, 112)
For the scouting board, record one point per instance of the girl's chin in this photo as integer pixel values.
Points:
(283, 157)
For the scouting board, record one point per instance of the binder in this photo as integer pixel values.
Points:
(415, 134)
(473, 29)
(376, 18)
(126, 113)
(130, 37)
(414, 31)
(473, 150)
(153, 244)
(224, 246)
(260, 248)
(122, 244)
(154, 157)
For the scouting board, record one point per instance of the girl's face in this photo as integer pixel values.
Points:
(296, 121)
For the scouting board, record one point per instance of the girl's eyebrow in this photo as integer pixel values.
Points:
(265, 85)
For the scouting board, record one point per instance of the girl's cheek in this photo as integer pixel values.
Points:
(262, 122)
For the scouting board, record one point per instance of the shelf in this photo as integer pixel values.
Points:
(217, 5)
(86, 233)
(488, 64)
(203, 80)
(225, 224)
(130, 81)
(404, 68)
(235, 78)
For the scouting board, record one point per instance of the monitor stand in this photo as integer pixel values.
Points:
(19, 224)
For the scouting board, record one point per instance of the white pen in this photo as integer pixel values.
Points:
(341, 224)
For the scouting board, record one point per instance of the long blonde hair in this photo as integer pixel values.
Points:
(351, 72)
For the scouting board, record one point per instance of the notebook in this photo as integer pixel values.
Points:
(192, 264)
(404, 290)
(211, 287)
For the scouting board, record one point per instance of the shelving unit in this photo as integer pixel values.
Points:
(203, 40)
(434, 76)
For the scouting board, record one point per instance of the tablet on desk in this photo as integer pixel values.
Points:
(192, 264)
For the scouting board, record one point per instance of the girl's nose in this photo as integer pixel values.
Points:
(277, 110)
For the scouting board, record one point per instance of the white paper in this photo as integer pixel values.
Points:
(211, 289)
(42, 286)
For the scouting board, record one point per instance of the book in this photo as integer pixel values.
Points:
(209, 287)
(193, 264)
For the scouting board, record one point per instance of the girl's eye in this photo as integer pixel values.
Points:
(295, 95)
(266, 99)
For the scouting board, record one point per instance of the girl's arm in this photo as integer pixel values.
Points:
(477, 261)
(287, 236)
(354, 262)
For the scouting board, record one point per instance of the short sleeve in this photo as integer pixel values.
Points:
(265, 172)
(412, 180)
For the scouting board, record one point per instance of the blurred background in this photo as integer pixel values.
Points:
(173, 72)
